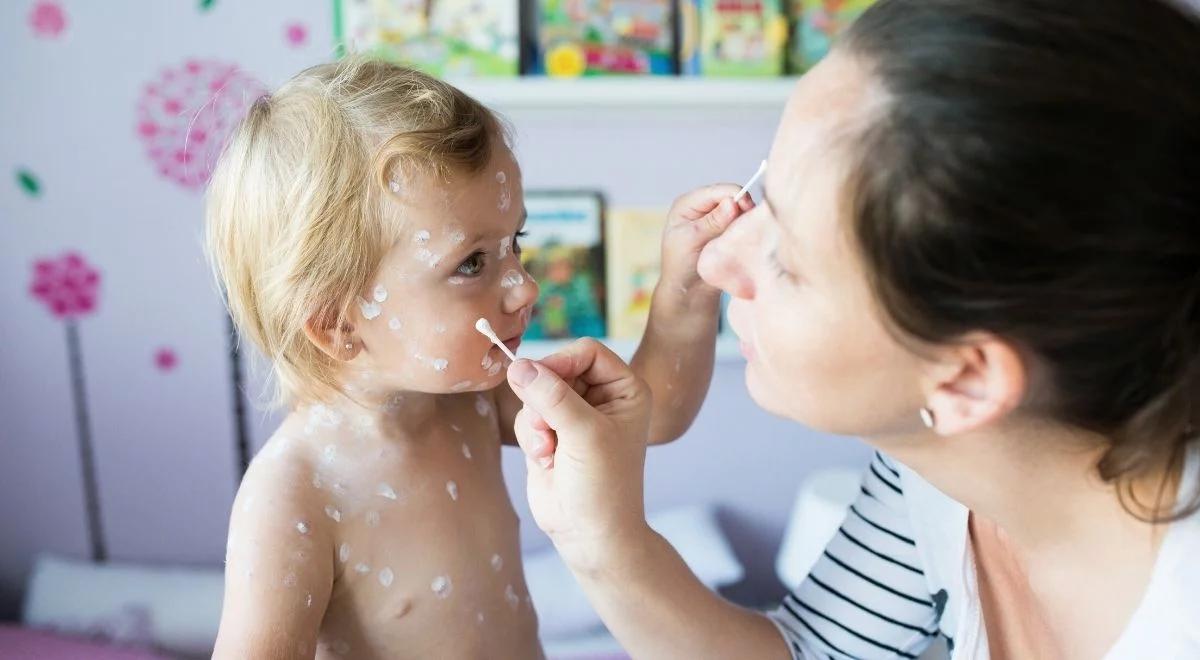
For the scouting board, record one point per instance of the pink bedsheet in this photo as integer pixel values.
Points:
(25, 644)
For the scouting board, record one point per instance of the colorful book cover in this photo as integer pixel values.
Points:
(816, 23)
(605, 37)
(564, 251)
(735, 37)
(633, 241)
(440, 37)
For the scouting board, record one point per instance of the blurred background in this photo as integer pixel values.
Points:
(127, 412)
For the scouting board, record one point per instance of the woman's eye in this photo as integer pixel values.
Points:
(472, 266)
(778, 267)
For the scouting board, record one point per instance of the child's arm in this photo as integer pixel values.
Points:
(278, 572)
(675, 356)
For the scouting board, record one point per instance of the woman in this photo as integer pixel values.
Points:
(979, 251)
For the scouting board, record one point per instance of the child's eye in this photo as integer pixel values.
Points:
(472, 266)
(517, 242)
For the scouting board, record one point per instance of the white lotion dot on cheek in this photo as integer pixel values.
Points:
(421, 237)
(394, 323)
(456, 280)
(428, 258)
(369, 309)
(380, 294)
(329, 453)
(362, 568)
(302, 527)
(505, 246)
(511, 279)
(387, 491)
(441, 586)
(333, 513)
(452, 490)
(386, 576)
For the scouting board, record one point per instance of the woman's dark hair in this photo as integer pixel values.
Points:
(1035, 173)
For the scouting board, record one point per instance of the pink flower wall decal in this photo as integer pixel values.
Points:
(67, 285)
(186, 115)
(47, 19)
(165, 359)
(295, 34)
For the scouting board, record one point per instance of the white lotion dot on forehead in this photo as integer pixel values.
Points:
(386, 576)
(387, 491)
(482, 406)
(452, 490)
(394, 323)
(457, 236)
(441, 586)
(511, 279)
(362, 568)
(505, 246)
(380, 294)
(372, 519)
(421, 237)
(333, 513)
(369, 309)
(497, 563)
(344, 552)
(301, 527)
(428, 258)
(510, 595)
(466, 451)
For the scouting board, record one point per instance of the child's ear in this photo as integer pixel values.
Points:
(333, 337)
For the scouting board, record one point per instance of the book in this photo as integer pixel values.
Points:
(440, 37)
(633, 242)
(564, 251)
(815, 25)
(733, 37)
(604, 37)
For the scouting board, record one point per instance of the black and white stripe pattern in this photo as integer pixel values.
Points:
(866, 597)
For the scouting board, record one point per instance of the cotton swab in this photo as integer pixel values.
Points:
(485, 329)
(753, 180)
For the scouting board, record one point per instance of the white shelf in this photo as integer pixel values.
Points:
(628, 92)
(727, 348)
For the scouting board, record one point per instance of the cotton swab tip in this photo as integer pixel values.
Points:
(762, 167)
(485, 329)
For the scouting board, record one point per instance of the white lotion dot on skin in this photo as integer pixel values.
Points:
(439, 328)
(362, 568)
(333, 513)
(302, 527)
(380, 294)
(456, 280)
(440, 364)
(394, 185)
(372, 519)
(428, 258)
(511, 279)
(505, 246)
(466, 451)
(289, 580)
(394, 323)
(461, 386)
(308, 600)
(482, 406)
(386, 576)
(510, 595)
(330, 453)
(344, 552)
(497, 563)
(457, 236)
(421, 237)
(340, 647)
(369, 309)
(501, 177)
(387, 491)
(452, 490)
(441, 586)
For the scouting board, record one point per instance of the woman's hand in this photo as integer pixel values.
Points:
(583, 430)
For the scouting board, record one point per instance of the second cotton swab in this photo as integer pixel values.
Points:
(749, 184)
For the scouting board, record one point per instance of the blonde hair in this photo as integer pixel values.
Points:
(296, 221)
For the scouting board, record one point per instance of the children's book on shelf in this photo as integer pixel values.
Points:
(744, 38)
(445, 38)
(815, 24)
(576, 38)
(564, 251)
(633, 240)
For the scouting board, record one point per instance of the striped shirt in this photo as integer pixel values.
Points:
(899, 573)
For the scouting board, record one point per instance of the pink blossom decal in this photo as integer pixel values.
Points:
(165, 359)
(185, 117)
(67, 285)
(295, 34)
(47, 19)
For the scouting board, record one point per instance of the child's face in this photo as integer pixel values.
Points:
(457, 262)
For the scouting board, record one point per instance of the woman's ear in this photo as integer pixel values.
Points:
(979, 381)
(333, 338)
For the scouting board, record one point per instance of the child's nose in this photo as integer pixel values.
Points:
(524, 294)
(724, 262)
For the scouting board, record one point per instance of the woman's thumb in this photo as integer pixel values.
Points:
(550, 396)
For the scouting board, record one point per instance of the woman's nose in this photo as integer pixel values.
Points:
(724, 262)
